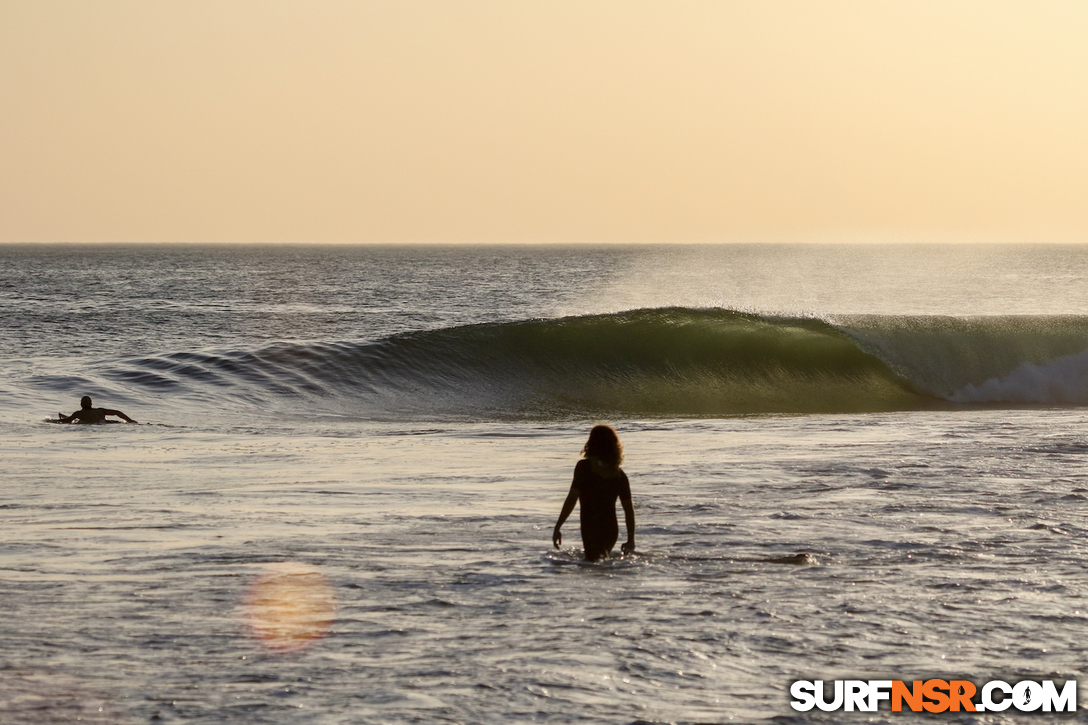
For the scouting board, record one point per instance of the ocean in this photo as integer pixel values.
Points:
(848, 462)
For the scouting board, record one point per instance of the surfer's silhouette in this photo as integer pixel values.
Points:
(598, 482)
(87, 414)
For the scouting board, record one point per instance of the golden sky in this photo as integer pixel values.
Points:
(542, 121)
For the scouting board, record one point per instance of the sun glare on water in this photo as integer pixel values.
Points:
(289, 606)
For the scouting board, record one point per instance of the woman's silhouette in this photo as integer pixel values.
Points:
(598, 482)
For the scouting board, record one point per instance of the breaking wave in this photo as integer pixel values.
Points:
(654, 362)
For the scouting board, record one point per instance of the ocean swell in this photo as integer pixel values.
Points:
(651, 362)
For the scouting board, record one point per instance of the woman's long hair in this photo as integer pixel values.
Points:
(604, 445)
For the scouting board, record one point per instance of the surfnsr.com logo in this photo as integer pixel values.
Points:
(934, 696)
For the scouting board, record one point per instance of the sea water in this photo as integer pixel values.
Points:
(848, 462)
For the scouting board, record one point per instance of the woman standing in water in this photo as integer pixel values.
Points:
(598, 482)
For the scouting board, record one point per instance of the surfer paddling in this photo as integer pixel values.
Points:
(87, 414)
(598, 482)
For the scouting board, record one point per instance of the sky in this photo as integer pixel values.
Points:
(552, 121)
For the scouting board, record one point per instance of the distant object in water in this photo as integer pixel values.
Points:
(801, 559)
(88, 414)
(598, 482)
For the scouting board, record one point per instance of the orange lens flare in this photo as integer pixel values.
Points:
(290, 605)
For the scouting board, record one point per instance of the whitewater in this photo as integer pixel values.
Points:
(847, 461)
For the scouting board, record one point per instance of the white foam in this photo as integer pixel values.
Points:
(1063, 380)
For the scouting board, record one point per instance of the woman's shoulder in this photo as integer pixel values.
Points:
(602, 470)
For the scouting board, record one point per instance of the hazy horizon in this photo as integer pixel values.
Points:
(490, 122)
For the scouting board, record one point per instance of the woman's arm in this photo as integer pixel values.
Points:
(629, 517)
(568, 506)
